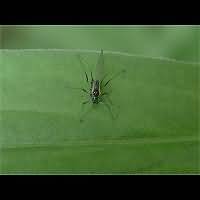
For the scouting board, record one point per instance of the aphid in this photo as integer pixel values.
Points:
(97, 84)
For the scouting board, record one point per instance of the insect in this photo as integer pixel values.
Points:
(97, 86)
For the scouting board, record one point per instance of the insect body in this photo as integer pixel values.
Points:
(95, 91)
(97, 85)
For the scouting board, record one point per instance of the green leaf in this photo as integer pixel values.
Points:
(156, 102)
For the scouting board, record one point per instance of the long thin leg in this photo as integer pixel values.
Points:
(115, 76)
(85, 102)
(82, 63)
(92, 77)
(83, 60)
(105, 93)
(84, 67)
(86, 76)
(107, 96)
(82, 89)
(88, 111)
(110, 101)
(103, 79)
(109, 109)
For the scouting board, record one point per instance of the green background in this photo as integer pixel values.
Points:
(156, 100)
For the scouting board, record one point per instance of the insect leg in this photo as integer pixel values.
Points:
(115, 76)
(106, 94)
(84, 114)
(85, 102)
(103, 79)
(86, 76)
(109, 109)
(83, 65)
(83, 89)
(92, 77)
